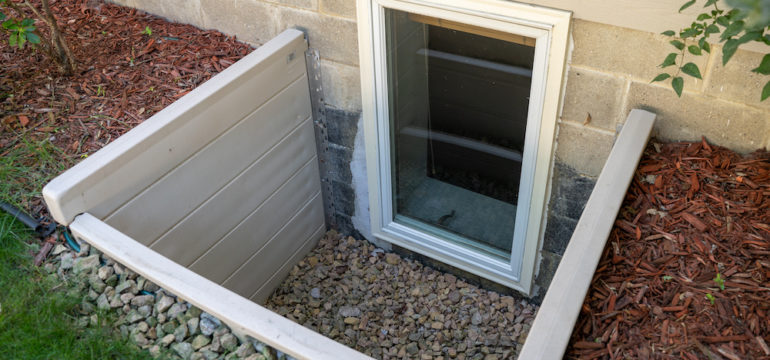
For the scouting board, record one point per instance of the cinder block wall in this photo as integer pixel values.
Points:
(608, 74)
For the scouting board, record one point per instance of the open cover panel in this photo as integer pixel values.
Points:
(223, 185)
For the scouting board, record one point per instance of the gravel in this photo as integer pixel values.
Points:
(151, 317)
(390, 307)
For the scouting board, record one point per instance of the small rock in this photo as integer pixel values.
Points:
(155, 351)
(209, 324)
(315, 293)
(176, 309)
(139, 339)
(180, 332)
(84, 264)
(164, 303)
(126, 298)
(133, 316)
(145, 310)
(105, 272)
(229, 342)
(183, 349)
(67, 261)
(192, 326)
(349, 311)
(123, 286)
(167, 340)
(256, 357)
(476, 318)
(102, 303)
(58, 249)
(351, 320)
(412, 348)
(244, 350)
(392, 258)
(200, 341)
(142, 300)
(437, 325)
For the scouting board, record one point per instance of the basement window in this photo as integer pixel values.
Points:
(460, 104)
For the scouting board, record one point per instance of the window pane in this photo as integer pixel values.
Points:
(458, 98)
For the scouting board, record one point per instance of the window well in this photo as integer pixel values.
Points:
(460, 119)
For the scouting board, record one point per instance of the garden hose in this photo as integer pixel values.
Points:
(43, 229)
(72, 243)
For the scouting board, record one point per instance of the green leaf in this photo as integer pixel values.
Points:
(670, 60)
(689, 32)
(8, 23)
(732, 30)
(723, 20)
(2, 16)
(704, 16)
(764, 67)
(692, 70)
(766, 39)
(766, 91)
(686, 5)
(678, 83)
(677, 44)
(712, 29)
(704, 45)
(13, 39)
(661, 77)
(694, 49)
(710, 2)
(33, 38)
(27, 22)
(669, 33)
(729, 50)
(22, 41)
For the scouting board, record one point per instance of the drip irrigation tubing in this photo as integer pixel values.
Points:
(40, 228)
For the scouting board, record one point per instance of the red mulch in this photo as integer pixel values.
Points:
(693, 212)
(124, 76)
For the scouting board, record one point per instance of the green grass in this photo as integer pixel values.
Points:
(38, 311)
(28, 165)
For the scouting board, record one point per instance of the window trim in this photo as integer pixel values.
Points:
(551, 28)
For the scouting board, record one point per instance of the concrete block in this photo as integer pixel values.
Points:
(594, 93)
(252, 21)
(305, 4)
(339, 163)
(569, 192)
(334, 37)
(582, 148)
(736, 82)
(344, 198)
(558, 231)
(344, 8)
(183, 11)
(624, 51)
(342, 84)
(549, 262)
(738, 127)
(342, 126)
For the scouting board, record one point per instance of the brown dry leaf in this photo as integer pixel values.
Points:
(23, 120)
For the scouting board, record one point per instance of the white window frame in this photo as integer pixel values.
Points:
(550, 28)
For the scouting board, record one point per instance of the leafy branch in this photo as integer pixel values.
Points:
(18, 21)
(747, 21)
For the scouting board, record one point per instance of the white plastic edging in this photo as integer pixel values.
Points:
(552, 328)
(241, 314)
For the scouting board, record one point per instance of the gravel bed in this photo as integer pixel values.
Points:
(151, 317)
(390, 307)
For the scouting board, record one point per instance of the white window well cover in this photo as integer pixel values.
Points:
(460, 102)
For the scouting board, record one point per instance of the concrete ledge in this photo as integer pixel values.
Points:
(553, 325)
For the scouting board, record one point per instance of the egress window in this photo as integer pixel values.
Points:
(460, 109)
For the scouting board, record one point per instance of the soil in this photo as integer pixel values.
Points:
(685, 274)
(125, 75)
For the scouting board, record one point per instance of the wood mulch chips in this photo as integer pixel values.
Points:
(124, 76)
(686, 271)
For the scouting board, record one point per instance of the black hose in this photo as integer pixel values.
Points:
(21, 216)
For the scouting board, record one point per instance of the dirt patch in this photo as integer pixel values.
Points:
(685, 274)
(394, 308)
